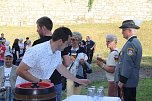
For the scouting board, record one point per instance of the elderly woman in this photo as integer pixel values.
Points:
(77, 68)
(110, 64)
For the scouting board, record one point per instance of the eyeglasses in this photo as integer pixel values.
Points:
(73, 39)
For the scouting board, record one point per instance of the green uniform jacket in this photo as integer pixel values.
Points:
(129, 62)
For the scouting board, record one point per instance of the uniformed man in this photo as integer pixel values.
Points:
(129, 61)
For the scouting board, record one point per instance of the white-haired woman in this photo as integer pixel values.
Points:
(110, 64)
(77, 68)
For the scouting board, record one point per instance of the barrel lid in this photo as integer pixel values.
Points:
(38, 88)
(28, 85)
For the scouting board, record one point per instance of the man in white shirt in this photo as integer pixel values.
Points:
(36, 63)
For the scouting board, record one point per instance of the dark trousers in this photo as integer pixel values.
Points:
(129, 94)
(90, 55)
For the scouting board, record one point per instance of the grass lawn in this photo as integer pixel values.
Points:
(96, 31)
(144, 92)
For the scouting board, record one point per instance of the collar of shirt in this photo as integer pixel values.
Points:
(7, 67)
(75, 49)
(131, 37)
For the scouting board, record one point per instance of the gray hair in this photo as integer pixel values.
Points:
(111, 37)
(77, 35)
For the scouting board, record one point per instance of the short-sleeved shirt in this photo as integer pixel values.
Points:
(41, 61)
(21, 46)
(56, 76)
(111, 62)
(89, 44)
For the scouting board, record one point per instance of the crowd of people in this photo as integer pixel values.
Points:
(17, 49)
(63, 53)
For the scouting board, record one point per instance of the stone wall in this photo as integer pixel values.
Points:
(26, 12)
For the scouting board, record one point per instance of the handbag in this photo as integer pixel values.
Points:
(88, 67)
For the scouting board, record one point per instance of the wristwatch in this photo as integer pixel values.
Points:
(40, 80)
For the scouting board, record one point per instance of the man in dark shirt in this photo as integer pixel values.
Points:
(2, 37)
(44, 27)
(90, 45)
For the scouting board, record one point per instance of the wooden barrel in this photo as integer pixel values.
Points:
(41, 91)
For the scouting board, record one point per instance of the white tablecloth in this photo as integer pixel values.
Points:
(86, 98)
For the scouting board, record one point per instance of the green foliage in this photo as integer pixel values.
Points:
(90, 3)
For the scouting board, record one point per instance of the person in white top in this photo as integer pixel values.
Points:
(22, 48)
(41, 60)
(28, 44)
(8, 48)
(77, 68)
(110, 64)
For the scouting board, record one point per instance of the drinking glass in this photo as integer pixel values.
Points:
(100, 93)
(89, 94)
(99, 57)
(94, 95)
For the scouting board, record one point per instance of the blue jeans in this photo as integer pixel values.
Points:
(58, 89)
(1, 62)
(4, 99)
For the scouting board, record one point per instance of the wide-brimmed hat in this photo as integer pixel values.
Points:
(129, 24)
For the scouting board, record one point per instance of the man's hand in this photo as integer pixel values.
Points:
(83, 81)
(81, 61)
(46, 80)
(120, 84)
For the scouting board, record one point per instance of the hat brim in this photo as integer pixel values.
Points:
(131, 26)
